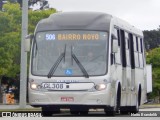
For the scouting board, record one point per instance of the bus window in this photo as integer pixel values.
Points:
(118, 36)
(136, 51)
(123, 51)
(127, 48)
(118, 54)
(141, 45)
(131, 51)
(53, 44)
(140, 51)
(135, 44)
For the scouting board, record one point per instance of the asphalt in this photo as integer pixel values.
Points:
(17, 107)
(28, 107)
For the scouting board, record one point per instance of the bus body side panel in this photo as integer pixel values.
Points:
(130, 78)
(115, 69)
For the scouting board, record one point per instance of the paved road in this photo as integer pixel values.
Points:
(10, 107)
(93, 115)
(85, 118)
(100, 113)
(29, 107)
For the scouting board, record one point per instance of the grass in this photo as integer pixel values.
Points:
(21, 110)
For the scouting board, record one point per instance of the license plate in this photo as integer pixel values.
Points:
(54, 86)
(67, 99)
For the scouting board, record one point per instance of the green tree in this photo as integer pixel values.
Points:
(36, 16)
(152, 38)
(10, 37)
(10, 21)
(153, 58)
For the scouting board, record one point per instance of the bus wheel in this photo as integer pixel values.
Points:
(118, 99)
(124, 110)
(110, 111)
(135, 109)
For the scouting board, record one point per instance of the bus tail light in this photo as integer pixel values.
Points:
(100, 87)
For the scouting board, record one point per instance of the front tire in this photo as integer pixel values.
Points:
(46, 112)
(110, 111)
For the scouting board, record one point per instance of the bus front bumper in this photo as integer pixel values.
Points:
(61, 98)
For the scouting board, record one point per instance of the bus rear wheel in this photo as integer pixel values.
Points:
(124, 110)
(135, 109)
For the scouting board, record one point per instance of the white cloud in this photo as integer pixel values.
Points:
(140, 13)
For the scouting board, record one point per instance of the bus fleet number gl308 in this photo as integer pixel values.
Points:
(53, 86)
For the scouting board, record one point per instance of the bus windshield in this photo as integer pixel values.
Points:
(70, 53)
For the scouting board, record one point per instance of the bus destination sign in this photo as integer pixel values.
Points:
(78, 37)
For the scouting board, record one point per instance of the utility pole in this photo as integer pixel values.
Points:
(1, 4)
(23, 73)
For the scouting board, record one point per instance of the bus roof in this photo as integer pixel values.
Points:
(126, 26)
(76, 21)
(84, 21)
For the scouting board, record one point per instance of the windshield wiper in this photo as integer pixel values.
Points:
(79, 64)
(54, 67)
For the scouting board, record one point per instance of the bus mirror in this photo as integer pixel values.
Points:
(115, 46)
(27, 43)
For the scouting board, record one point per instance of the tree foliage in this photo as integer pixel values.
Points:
(36, 16)
(10, 32)
(9, 40)
(152, 44)
(10, 37)
(153, 57)
(152, 38)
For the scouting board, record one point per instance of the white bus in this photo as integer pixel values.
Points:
(85, 60)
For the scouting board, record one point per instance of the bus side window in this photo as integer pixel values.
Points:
(118, 54)
(123, 50)
(131, 49)
(140, 51)
(127, 48)
(135, 42)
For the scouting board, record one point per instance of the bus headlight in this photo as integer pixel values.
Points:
(33, 86)
(100, 87)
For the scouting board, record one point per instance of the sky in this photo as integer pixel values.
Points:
(143, 14)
